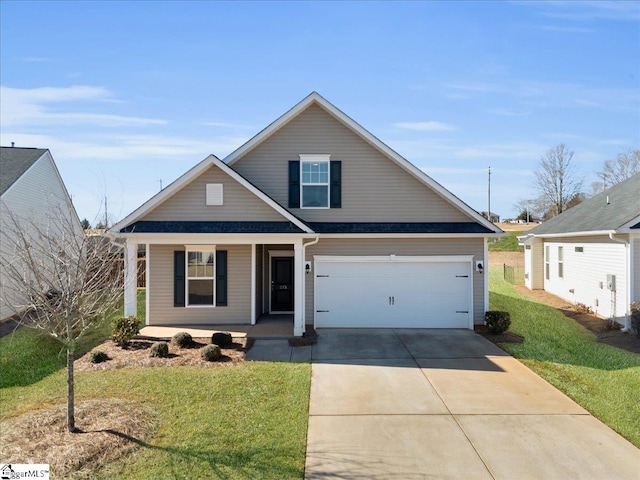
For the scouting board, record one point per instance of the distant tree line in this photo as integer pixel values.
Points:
(559, 187)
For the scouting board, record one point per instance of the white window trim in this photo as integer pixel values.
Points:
(316, 157)
(560, 261)
(199, 248)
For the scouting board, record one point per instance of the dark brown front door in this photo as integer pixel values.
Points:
(282, 284)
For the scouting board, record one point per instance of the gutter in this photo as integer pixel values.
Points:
(304, 282)
(626, 328)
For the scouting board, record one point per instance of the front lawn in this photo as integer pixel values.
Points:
(604, 380)
(244, 421)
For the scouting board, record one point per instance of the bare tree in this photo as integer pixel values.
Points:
(615, 170)
(59, 281)
(556, 180)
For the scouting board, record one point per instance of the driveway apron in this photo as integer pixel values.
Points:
(415, 404)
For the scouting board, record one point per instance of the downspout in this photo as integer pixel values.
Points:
(625, 329)
(304, 282)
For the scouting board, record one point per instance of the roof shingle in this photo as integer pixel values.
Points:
(14, 161)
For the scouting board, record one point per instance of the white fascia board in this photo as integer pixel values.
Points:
(213, 238)
(193, 173)
(367, 136)
(393, 258)
(165, 193)
(262, 196)
(593, 233)
(411, 235)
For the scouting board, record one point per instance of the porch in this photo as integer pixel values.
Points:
(267, 327)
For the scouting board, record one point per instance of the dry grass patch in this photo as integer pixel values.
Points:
(137, 355)
(110, 429)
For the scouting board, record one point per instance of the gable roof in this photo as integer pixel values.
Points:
(14, 162)
(190, 175)
(612, 210)
(316, 99)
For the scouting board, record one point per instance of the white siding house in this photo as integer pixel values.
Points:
(31, 189)
(590, 254)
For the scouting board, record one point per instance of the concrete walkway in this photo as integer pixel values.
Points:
(409, 404)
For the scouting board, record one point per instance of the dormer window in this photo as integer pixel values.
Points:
(314, 175)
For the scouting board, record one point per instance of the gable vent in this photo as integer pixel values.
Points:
(214, 194)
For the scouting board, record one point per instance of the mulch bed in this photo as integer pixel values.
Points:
(602, 328)
(137, 355)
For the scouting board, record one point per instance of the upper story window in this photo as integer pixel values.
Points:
(314, 176)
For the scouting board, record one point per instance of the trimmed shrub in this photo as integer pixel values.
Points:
(210, 353)
(159, 349)
(223, 339)
(98, 357)
(497, 322)
(124, 329)
(634, 324)
(182, 340)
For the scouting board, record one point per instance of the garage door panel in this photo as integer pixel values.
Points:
(393, 294)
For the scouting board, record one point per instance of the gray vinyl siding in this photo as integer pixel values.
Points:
(38, 197)
(160, 289)
(374, 188)
(189, 204)
(360, 247)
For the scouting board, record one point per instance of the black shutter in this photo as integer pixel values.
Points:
(221, 278)
(294, 184)
(335, 186)
(178, 278)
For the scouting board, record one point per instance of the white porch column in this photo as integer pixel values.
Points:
(253, 284)
(298, 289)
(131, 278)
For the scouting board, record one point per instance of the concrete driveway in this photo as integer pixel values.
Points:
(415, 404)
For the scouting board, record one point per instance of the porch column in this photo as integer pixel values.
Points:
(253, 284)
(298, 289)
(131, 278)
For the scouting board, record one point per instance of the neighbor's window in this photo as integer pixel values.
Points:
(560, 262)
(546, 263)
(579, 249)
(314, 175)
(201, 277)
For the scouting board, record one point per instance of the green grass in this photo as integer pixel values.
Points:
(244, 422)
(605, 380)
(508, 243)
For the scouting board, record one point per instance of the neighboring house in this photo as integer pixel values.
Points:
(316, 218)
(492, 217)
(31, 193)
(590, 254)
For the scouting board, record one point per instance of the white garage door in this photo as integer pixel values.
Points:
(393, 292)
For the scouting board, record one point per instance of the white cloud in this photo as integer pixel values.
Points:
(431, 126)
(564, 29)
(587, 10)
(30, 107)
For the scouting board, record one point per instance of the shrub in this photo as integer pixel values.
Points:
(635, 318)
(210, 353)
(159, 349)
(182, 340)
(497, 322)
(223, 339)
(582, 308)
(124, 329)
(98, 357)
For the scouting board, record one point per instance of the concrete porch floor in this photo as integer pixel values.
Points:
(266, 327)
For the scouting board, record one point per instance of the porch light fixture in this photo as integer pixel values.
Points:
(307, 268)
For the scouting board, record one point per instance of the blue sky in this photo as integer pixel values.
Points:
(126, 94)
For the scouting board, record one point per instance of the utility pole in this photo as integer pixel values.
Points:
(160, 180)
(106, 216)
(489, 195)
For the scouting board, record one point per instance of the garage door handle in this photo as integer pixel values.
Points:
(322, 311)
(462, 311)
(392, 300)
(462, 276)
(322, 276)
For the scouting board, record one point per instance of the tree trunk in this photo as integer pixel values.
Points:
(71, 421)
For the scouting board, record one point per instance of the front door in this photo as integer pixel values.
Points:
(282, 284)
